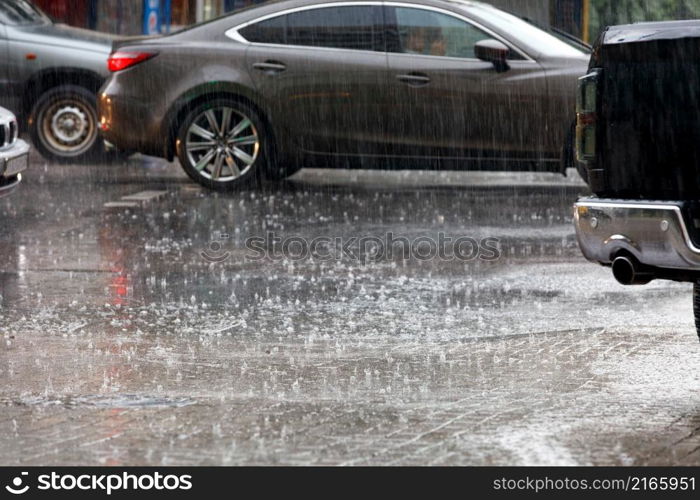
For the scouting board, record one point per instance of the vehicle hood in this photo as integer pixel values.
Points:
(61, 35)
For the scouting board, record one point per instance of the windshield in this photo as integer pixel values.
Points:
(17, 12)
(543, 40)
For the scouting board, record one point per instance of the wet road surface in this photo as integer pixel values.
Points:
(136, 329)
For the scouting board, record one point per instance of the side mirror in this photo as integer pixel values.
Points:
(493, 51)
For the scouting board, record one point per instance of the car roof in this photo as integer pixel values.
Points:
(649, 31)
(254, 11)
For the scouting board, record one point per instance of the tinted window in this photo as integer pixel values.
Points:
(269, 31)
(426, 32)
(333, 27)
(532, 36)
(20, 12)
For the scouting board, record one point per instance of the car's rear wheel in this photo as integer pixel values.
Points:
(223, 145)
(63, 124)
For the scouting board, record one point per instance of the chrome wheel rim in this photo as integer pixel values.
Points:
(68, 127)
(222, 144)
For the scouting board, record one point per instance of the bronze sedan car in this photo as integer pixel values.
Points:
(369, 84)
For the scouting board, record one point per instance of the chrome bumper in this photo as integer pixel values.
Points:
(13, 161)
(655, 233)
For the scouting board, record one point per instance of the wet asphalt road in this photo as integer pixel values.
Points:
(133, 333)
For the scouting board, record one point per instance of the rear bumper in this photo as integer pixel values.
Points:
(130, 124)
(654, 232)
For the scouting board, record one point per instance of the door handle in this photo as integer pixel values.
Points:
(414, 79)
(270, 67)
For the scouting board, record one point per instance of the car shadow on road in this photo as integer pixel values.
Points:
(330, 180)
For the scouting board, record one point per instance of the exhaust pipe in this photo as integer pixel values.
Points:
(627, 271)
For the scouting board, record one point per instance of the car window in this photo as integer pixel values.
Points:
(535, 37)
(426, 32)
(269, 31)
(349, 27)
(17, 12)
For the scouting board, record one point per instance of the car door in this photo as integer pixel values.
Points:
(449, 104)
(5, 83)
(14, 56)
(322, 71)
(16, 67)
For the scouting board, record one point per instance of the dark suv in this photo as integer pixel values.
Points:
(638, 144)
(50, 73)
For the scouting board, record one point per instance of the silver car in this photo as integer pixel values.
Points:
(13, 153)
(50, 73)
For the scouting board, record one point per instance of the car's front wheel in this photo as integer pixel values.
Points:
(63, 124)
(222, 145)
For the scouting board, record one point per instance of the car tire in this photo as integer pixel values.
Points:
(63, 125)
(223, 145)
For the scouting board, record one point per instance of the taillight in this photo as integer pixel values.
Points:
(123, 59)
(586, 118)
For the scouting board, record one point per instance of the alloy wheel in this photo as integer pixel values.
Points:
(222, 144)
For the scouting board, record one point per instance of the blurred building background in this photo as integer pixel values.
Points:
(132, 17)
(582, 18)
